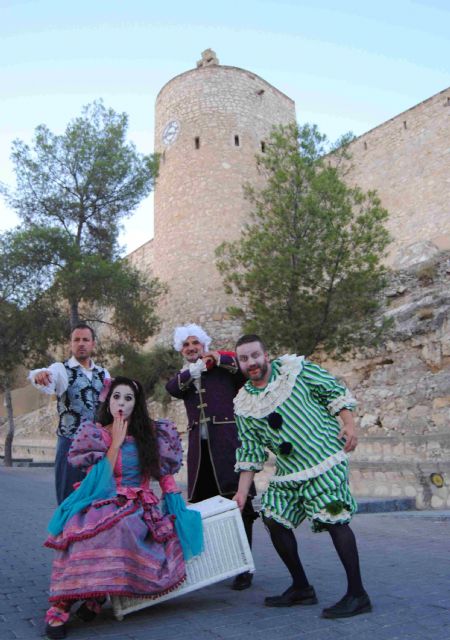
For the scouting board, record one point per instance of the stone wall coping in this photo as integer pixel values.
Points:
(399, 115)
(139, 248)
(399, 465)
(443, 436)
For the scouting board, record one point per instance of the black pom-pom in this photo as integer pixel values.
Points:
(275, 420)
(335, 507)
(285, 448)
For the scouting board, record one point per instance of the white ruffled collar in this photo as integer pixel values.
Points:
(73, 362)
(258, 403)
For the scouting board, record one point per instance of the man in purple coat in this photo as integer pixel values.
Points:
(207, 384)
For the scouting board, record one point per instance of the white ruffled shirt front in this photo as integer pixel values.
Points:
(59, 382)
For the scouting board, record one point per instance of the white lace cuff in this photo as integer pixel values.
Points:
(248, 466)
(197, 368)
(49, 389)
(347, 401)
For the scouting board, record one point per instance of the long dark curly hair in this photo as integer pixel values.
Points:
(140, 426)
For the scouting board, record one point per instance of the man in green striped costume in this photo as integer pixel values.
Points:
(289, 407)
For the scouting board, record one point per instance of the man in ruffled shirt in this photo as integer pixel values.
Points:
(207, 385)
(77, 383)
(289, 406)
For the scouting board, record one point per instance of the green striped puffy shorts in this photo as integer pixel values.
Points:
(325, 499)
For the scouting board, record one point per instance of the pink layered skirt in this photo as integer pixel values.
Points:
(120, 546)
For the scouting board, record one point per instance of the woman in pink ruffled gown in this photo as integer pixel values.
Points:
(120, 543)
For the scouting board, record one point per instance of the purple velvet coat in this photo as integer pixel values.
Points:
(219, 386)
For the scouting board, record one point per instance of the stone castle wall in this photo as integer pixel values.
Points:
(142, 258)
(407, 161)
(403, 390)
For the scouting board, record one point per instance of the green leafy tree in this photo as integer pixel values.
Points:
(307, 269)
(30, 321)
(73, 191)
(108, 292)
(64, 261)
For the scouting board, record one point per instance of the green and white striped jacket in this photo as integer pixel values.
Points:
(306, 444)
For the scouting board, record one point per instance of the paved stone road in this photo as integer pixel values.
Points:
(405, 560)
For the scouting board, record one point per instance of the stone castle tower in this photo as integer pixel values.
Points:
(210, 124)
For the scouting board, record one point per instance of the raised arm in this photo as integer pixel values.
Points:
(50, 380)
(179, 384)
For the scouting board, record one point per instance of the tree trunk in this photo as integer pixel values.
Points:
(10, 434)
(74, 317)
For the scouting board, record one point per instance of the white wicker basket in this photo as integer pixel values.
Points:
(227, 553)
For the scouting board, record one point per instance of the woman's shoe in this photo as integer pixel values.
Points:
(55, 632)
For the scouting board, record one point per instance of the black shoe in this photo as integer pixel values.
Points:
(348, 606)
(292, 596)
(242, 581)
(55, 633)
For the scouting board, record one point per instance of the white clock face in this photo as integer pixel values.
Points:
(171, 131)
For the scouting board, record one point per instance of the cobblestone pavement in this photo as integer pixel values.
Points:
(405, 560)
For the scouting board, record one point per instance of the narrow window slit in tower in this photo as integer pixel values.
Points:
(404, 124)
(236, 141)
(197, 142)
(365, 145)
(263, 146)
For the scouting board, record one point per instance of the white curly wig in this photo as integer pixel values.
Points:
(181, 333)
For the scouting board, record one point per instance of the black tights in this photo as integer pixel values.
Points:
(285, 544)
(345, 544)
(343, 538)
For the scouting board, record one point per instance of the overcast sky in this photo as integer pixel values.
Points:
(349, 65)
